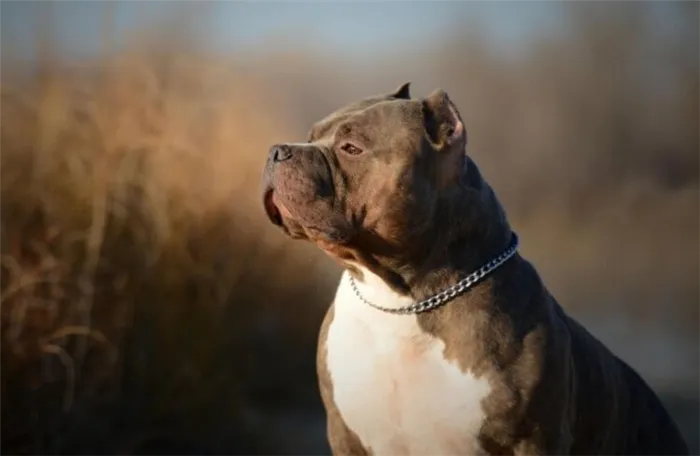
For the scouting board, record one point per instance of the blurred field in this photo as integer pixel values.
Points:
(147, 305)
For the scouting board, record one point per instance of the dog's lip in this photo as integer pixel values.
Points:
(271, 209)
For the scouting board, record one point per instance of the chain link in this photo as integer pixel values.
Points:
(452, 292)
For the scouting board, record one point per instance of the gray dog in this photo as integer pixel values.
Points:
(442, 340)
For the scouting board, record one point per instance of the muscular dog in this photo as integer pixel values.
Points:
(442, 339)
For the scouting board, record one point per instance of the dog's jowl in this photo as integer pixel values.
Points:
(442, 339)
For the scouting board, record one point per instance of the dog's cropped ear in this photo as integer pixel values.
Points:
(403, 92)
(442, 120)
(446, 131)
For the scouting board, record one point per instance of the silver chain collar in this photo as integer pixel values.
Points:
(446, 295)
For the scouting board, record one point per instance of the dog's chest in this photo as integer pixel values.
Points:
(391, 381)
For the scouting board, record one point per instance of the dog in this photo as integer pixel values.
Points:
(442, 339)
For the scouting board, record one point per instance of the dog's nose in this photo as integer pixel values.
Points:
(280, 152)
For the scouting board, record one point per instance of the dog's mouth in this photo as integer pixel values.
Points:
(272, 210)
(278, 213)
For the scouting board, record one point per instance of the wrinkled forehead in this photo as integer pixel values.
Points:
(371, 115)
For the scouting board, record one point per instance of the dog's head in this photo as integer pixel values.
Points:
(375, 178)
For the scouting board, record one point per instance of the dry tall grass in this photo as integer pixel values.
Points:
(136, 269)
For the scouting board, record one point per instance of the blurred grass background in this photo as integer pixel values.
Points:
(147, 305)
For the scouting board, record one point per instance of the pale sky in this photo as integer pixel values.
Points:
(343, 26)
(357, 27)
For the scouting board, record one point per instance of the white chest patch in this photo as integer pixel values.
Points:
(391, 381)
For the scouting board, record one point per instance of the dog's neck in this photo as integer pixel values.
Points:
(473, 231)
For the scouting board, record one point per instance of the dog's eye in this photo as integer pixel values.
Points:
(350, 148)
